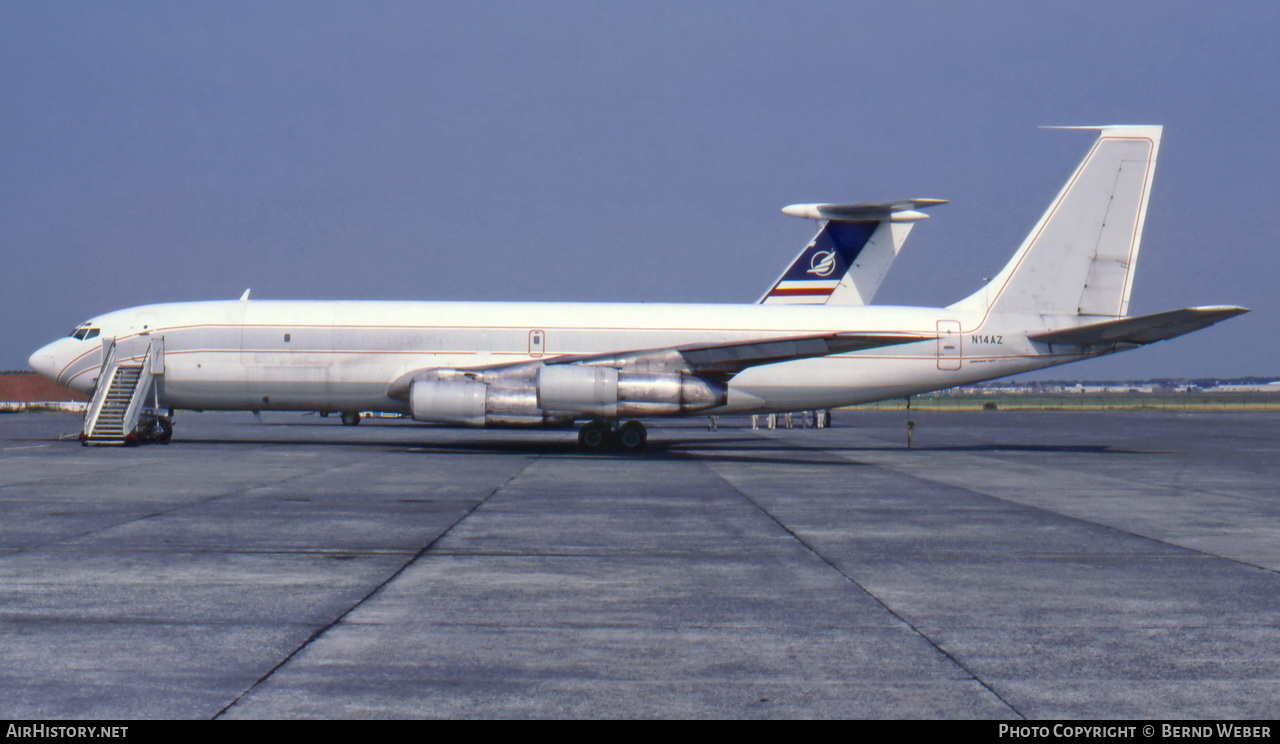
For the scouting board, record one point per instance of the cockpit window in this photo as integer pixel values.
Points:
(84, 332)
(93, 333)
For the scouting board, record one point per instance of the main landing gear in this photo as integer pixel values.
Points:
(600, 435)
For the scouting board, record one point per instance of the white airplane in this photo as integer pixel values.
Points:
(1063, 297)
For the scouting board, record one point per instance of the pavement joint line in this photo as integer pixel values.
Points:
(1006, 456)
(893, 613)
(374, 591)
(176, 507)
(1010, 456)
(197, 550)
(696, 555)
(114, 621)
(844, 453)
(1045, 510)
(602, 554)
(594, 625)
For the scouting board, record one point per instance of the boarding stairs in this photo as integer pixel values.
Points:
(123, 410)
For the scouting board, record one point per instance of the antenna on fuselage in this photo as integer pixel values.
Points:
(245, 297)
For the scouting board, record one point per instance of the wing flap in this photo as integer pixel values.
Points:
(1141, 329)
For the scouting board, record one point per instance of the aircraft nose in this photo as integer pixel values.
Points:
(44, 361)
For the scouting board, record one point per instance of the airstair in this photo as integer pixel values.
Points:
(124, 409)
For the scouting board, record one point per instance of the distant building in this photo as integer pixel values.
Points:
(1270, 387)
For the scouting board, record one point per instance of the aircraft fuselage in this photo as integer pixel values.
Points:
(343, 355)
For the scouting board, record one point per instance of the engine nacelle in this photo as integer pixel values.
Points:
(578, 388)
(558, 395)
(468, 402)
(449, 401)
(606, 392)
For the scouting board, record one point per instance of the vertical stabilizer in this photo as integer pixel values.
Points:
(1079, 259)
(847, 260)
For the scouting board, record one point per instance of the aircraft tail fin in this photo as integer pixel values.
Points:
(1079, 259)
(847, 260)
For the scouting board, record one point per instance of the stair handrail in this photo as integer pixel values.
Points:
(141, 392)
(106, 373)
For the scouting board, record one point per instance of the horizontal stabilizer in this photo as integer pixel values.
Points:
(893, 211)
(1142, 329)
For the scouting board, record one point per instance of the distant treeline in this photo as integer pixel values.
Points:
(1157, 381)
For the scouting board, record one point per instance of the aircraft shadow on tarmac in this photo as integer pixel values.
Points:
(747, 449)
(655, 450)
(744, 449)
(1092, 449)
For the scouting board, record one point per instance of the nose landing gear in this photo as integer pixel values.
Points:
(153, 428)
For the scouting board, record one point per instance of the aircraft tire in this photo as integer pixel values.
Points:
(595, 436)
(631, 436)
(350, 418)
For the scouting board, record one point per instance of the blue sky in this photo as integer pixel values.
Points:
(615, 151)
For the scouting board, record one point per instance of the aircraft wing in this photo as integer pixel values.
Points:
(731, 357)
(718, 360)
(1141, 329)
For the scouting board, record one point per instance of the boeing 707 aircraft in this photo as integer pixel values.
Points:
(1063, 297)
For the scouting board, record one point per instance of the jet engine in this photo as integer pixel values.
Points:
(606, 392)
(559, 394)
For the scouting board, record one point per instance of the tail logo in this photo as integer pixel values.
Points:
(822, 263)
